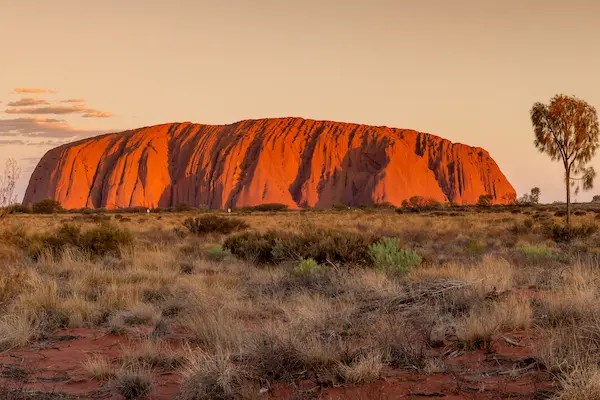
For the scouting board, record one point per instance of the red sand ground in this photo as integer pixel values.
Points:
(55, 365)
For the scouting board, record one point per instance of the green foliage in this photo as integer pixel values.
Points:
(183, 207)
(533, 197)
(564, 234)
(522, 227)
(567, 130)
(308, 267)
(540, 253)
(321, 245)
(46, 206)
(418, 203)
(217, 253)
(265, 207)
(19, 209)
(388, 256)
(98, 241)
(485, 200)
(474, 247)
(340, 207)
(211, 223)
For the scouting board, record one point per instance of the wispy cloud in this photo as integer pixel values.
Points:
(93, 113)
(57, 110)
(33, 90)
(27, 102)
(31, 127)
(73, 101)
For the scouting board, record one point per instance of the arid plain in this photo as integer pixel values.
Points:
(450, 302)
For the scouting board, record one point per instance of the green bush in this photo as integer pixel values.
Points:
(265, 207)
(474, 247)
(98, 241)
(321, 245)
(535, 253)
(214, 224)
(485, 200)
(217, 253)
(308, 267)
(19, 209)
(564, 234)
(522, 227)
(46, 206)
(386, 255)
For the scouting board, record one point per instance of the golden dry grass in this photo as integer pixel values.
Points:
(250, 324)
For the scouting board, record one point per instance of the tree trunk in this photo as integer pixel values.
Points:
(568, 183)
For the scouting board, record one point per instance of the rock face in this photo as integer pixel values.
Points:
(293, 161)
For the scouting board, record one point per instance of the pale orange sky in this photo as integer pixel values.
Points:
(466, 70)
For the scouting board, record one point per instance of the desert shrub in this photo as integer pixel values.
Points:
(564, 234)
(97, 241)
(134, 210)
(324, 246)
(217, 253)
(519, 228)
(485, 200)
(308, 267)
(386, 205)
(265, 207)
(184, 207)
(535, 253)
(340, 207)
(214, 224)
(46, 206)
(19, 209)
(474, 247)
(388, 256)
(418, 203)
(92, 218)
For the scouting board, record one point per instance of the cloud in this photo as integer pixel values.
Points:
(33, 90)
(27, 102)
(93, 113)
(73, 101)
(28, 128)
(47, 110)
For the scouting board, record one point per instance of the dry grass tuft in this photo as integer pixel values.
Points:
(365, 369)
(99, 367)
(480, 328)
(133, 382)
(210, 376)
(17, 330)
(580, 384)
(152, 354)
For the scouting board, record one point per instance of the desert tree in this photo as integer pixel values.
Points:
(8, 183)
(533, 197)
(567, 130)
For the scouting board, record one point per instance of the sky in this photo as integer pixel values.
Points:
(465, 70)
